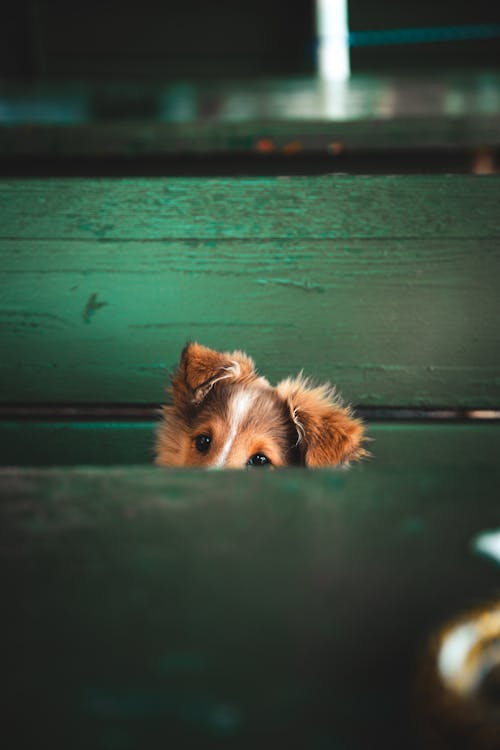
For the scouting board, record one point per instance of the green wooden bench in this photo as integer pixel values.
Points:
(248, 609)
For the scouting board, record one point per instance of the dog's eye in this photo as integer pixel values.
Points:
(202, 443)
(259, 459)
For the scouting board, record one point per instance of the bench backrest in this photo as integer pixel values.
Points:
(387, 286)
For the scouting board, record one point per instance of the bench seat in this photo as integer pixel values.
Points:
(219, 609)
(27, 442)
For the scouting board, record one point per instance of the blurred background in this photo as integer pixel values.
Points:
(47, 39)
(259, 78)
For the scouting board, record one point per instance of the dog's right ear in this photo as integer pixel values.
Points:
(200, 368)
(327, 432)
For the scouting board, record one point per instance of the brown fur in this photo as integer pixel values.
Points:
(294, 423)
(328, 432)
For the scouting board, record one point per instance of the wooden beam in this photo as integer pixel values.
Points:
(199, 609)
(386, 286)
(68, 443)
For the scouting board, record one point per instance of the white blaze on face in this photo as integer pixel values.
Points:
(238, 409)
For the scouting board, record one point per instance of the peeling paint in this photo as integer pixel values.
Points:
(91, 307)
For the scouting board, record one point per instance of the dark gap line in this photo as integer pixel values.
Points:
(424, 160)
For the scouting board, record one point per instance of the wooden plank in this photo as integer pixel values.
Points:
(66, 443)
(197, 609)
(388, 286)
(293, 116)
(138, 139)
(391, 321)
(335, 207)
(395, 444)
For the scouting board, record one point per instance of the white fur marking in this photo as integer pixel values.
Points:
(298, 425)
(240, 404)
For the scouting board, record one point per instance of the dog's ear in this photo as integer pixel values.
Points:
(327, 432)
(200, 368)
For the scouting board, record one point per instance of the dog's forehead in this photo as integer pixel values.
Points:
(250, 420)
(242, 402)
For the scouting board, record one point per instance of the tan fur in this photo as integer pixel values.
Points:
(201, 368)
(294, 423)
(327, 430)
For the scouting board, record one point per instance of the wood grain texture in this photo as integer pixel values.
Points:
(387, 286)
(392, 322)
(252, 208)
(201, 610)
(91, 443)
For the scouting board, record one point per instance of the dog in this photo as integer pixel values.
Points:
(225, 415)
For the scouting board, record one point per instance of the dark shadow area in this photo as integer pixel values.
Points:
(238, 165)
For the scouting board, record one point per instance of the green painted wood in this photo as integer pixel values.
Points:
(387, 286)
(394, 444)
(401, 322)
(52, 443)
(208, 610)
(335, 207)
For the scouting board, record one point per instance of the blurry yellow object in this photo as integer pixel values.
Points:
(459, 684)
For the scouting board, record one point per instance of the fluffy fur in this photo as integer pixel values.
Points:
(224, 415)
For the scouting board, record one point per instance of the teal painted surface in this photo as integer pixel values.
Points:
(333, 207)
(395, 444)
(386, 286)
(203, 609)
(387, 323)
(51, 443)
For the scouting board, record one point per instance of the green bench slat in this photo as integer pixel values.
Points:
(391, 322)
(280, 609)
(334, 207)
(142, 139)
(31, 443)
(444, 445)
(85, 119)
(387, 286)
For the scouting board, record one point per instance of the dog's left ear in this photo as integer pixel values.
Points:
(201, 368)
(328, 434)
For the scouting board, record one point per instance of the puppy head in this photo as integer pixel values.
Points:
(223, 414)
